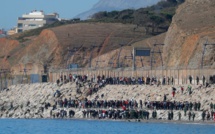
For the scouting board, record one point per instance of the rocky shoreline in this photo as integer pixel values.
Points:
(30, 100)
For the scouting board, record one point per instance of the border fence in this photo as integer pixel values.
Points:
(5, 82)
(181, 76)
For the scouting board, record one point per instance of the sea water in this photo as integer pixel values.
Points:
(37, 126)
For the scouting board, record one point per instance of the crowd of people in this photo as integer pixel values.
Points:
(115, 80)
(131, 104)
(129, 80)
(129, 109)
(116, 114)
(95, 83)
(142, 114)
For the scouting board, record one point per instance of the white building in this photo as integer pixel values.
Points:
(34, 20)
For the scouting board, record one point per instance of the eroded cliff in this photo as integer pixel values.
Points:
(192, 27)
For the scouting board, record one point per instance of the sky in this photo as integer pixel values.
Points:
(12, 9)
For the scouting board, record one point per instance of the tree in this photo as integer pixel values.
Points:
(172, 1)
(180, 1)
(156, 21)
(100, 15)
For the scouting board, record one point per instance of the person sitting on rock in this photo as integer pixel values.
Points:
(199, 87)
(57, 93)
(207, 85)
(71, 113)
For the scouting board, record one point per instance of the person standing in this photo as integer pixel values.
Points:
(197, 80)
(154, 114)
(193, 115)
(199, 106)
(147, 115)
(208, 116)
(141, 104)
(179, 115)
(169, 115)
(203, 115)
(173, 91)
(203, 79)
(190, 79)
(185, 111)
(189, 90)
(164, 97)
(195, 106)
(211, 105)
(214, 106)
(189, 115)
(182, 89)
(191, 106)
(172, 80)
(172, 115)
(168, 80)
(214, 116)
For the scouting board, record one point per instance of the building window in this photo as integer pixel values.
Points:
(20, 25)
(32, 25)
(19, 30)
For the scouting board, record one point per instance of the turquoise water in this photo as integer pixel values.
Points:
(21, 126)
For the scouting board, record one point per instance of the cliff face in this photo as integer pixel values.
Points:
(6, 47)
(191, 27)
(32, 54)
(52, 46)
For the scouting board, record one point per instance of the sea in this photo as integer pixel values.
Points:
(46, 126)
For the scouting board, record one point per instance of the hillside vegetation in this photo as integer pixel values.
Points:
(155, 19)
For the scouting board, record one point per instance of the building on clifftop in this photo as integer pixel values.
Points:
(35, 19)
